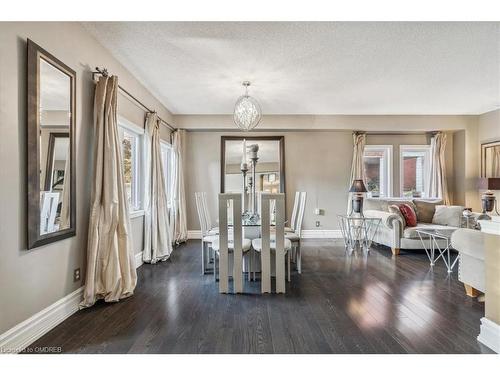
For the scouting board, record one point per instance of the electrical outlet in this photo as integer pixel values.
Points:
(76, 275)
(318, 224)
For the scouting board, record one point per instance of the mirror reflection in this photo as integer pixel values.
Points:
(55, 116)
(491, 160)
(242, 157)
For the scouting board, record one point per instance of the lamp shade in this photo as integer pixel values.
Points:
(358, 186)
(489, 184)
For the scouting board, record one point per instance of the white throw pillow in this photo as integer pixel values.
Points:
(448, 215)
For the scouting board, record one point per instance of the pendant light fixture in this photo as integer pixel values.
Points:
(247, 113)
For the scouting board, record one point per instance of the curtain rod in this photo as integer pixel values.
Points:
(399, 133)
(104, 72)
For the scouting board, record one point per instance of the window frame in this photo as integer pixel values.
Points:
(388, 167)
(427, 149)
(136, 207)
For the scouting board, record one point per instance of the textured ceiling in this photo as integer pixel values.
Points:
(313, 67)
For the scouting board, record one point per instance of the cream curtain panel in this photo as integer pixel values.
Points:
(180, 221)
(436, 181)
(157, 239)
(111, 273)
(357, 167)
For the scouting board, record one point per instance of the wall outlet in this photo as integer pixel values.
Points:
(76, 275)
(318, 224)
(319, 211)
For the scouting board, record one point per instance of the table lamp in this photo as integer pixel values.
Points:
(358, 188)
(488, 200)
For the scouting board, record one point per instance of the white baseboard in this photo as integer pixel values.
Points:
(25, 333)
(490, 334)
(321, 233)
(194, 234)
(306, 233)
(138, 260)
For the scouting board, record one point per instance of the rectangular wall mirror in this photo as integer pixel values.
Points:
(490, 159)
(270, 166)
(50, 149)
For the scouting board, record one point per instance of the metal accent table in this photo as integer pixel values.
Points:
(358, 230)
(432, 235)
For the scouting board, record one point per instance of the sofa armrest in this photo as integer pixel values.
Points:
(469, 242)
(388, 219)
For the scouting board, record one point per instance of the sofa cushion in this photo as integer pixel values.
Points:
(448, 215)
(411, 232)
(426, 209)
(409, 214)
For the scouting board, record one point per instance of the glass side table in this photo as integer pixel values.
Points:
(358, 231)
(429, 239)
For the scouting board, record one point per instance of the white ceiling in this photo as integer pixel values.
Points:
(313, 67)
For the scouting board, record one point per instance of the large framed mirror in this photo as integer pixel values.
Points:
(50, 148)
(269, 167)
(490, 159)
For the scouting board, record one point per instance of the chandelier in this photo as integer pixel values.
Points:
(247, 113)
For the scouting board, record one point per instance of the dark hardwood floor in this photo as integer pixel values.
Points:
(340, 304)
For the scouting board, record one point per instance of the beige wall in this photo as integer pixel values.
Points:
(32, 280)
(489, 126)
(316, 162)
(489, 130)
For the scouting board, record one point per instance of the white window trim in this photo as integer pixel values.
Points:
(139, 131)
(388, 150)
(129, 125)
(427, 149)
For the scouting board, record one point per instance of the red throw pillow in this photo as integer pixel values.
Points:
(409, 214)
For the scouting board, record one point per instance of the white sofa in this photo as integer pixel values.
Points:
(392, 232)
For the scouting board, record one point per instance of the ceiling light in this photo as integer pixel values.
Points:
(247, 112)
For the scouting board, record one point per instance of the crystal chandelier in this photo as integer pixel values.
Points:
(247, 113)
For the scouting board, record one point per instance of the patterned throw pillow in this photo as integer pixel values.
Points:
(409, 214)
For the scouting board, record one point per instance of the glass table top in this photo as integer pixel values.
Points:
(442, 233)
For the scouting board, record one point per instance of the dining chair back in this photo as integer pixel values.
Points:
(278, 243)
(237, 243)
(300, 214)
(204, 202)
(293, 218)
(201, 213)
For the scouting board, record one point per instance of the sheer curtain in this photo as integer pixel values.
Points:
(357, 167)
(436, 181)
(180, 222)
(111, 273)
(157, 239)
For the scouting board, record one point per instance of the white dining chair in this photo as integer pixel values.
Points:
(230, 242)
(207, 237)
(295, 236)
(208, 219)
(279, 245)
(293, 218)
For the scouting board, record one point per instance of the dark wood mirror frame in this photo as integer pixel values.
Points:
(280, 139)
(35, 54)
(485, 146)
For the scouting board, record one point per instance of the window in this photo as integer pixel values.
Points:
(131, 140)
(414, 169)
(378, 170)
(168, 161)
